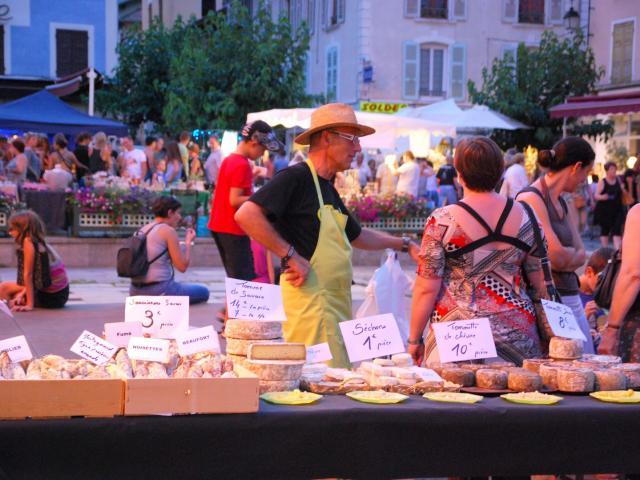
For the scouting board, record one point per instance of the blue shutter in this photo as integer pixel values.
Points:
(410, 69)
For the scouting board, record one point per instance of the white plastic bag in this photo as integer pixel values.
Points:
(385, 294)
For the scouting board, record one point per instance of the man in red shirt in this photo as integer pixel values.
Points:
(234, 187)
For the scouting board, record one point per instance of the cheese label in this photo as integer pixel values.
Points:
(93, 348)
(160, 316)
(198, 340)
(17, 348)
(148, 349)
(119, 333)
(254, 301)
(371, 337)
(562, 321)
(319, 353)
(464, 340)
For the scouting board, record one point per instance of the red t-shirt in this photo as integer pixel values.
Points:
(235, 172)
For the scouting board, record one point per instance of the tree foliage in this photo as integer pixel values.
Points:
(209, 73)
(540, 78)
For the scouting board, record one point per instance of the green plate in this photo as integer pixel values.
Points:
(377, 396)
(453, 397)
(295, 397)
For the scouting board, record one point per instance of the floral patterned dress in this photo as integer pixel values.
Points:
(482, 282)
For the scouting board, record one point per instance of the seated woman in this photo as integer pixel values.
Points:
(472, 260)
(42, 279)
(163, 251)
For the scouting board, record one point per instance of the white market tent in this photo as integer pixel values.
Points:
(389, 128)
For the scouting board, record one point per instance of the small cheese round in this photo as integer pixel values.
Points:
(276, 369)
(590, 364)
(632, 372)
(549, 374)
(463, 377)
(366, 367)
(438, 367)
(474, 367)
(565, 348)
(399, 372)
(386, 381)
(609, 379)
(521, 380)
(237, 346)
(491, 378)
(602, 359)
(575, 379)
(402, 359)
(383, 362)
(533, 364)
(278, 385)
(252, 329)
(381, 371)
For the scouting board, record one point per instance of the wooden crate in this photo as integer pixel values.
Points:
(146, 396)
(61, 398)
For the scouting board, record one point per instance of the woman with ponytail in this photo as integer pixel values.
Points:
(567, 166)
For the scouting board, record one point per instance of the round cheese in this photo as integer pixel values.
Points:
(521, 380)
(276, 369)
(252, 330)
(491, 378)
(237, 359)
(575, 379)
(602, 359)
(565, 348)
(500, 364)
(399, 372)
(632, 372)
(533, 364)
(383, 362)
(474, 367)
(402, 359)
(463, 377)
(237, 346)
(381, 371)
(278, 385)
(549, 374)
(609, 379)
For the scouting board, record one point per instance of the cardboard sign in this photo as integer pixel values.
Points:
(4, 308)
(119, 333)
(254, 301)
(371, 337)
(93, 348)
(160, 316)
(562, 321)
(426, 374)
(148, 349)
(319, 353)
(198, 340)
(17, 348)
(464, 340)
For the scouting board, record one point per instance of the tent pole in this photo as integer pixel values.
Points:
(92, 85)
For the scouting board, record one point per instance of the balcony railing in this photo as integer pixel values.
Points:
(425, 92)
(534, 16)
(433, 12)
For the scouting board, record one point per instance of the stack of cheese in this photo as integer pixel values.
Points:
(242, 333)
(278, 365)
(383, 372)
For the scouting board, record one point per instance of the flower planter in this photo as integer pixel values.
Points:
(407, 225)
(87, 224)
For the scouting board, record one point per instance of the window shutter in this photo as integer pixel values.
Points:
(72, 51)
(555, 12)
(324, 6)
(411, 8)
(424, 88)
(509, 10)
(410, 70)
(341, 10)
(621, 60)
(459, 9)
(458, 71)
(437, 87)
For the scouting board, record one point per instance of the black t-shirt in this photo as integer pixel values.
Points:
(446, 174)
(291, 202)
(82, 154)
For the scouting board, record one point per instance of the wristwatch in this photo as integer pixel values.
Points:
(420, 341)
(405, 243)
(284, 261)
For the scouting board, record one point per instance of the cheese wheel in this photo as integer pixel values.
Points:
(238, 359)
(438, 367)
(575, 380)
(381, 371)
(500, 364)
(565, 348)
(386, 381)
(491, 378)
(609, 379)
(632, 372)
(521, 380)
(549, 374)
(276, 369)
(463, 377)
(278, 385)
(237, 346)
(399, 372)
(402, 359)
(252, 330)
(474, 367)
(590, 364)
(276, 350)
(533, 364)
(602, 359)
(383, 362)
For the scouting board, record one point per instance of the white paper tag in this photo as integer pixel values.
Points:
(426, 374)
(464, 340)
(254, 301)
(148, 349)
(17, 348)
(371, 337)
(119, 333)
(561, 320)
(160, 316)
(198, 340)
(319, 353)
(4, 308)
(93, 348)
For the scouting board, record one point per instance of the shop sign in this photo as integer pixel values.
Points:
(464, 340)
(371, 337)
(381, 107)
(160, 316)
(254, 301)
(17, 348)
(93, 348)
(561, 320)
(198, 340)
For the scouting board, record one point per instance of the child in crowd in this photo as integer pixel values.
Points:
(42, 279)
(588, 280)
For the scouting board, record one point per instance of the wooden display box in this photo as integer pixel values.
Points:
(146, 396)
(61, 398)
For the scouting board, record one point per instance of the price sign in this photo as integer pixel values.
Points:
(93, 348)
(148, 349)
(198, 340)
(160, 316)
(464, 340)
(562, 321)
(319, 353)
(254, 301)
(17, 348)
(119, 333)
(371, 337)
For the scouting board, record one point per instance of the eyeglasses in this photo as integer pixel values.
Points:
(347, 136)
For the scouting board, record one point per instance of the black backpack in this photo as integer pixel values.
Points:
(603, 293)
(132, 260)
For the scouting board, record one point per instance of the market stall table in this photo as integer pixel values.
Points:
(50, 205)
(337, 437)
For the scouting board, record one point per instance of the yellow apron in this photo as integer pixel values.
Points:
(315, 309)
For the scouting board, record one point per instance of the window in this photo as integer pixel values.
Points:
(333, 12)
(72, 51)
(531, 11)
(332, 74)
(431, 71)
(433, 9)
(622, 54)
(458, 71)
(534, 12)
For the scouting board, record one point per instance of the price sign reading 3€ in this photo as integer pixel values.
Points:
(464, 340)
(160, 316)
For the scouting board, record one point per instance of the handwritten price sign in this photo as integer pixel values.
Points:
(254, 301)
(160, 316)
(464, 340)
(93, 348)
(371, 337)
(562, 321)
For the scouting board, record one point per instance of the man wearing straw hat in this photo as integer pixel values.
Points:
(300, 217)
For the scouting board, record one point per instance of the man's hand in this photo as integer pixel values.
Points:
(414, 251)
(417, 353)
(297, 272)
(609, 343)
(590, 309)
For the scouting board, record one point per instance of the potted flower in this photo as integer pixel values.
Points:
(396, 212)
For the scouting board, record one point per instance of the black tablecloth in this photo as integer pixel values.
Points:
(336, 437)
(50, 206)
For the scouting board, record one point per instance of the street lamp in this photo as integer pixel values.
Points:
(571, 19)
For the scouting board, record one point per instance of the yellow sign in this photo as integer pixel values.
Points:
(381, 107)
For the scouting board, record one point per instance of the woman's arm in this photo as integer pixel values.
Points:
(237, 197)
(425, 293)
(599, 191)
(580, 256)
(179, 259)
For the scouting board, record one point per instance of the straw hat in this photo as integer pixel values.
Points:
(332, 115)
